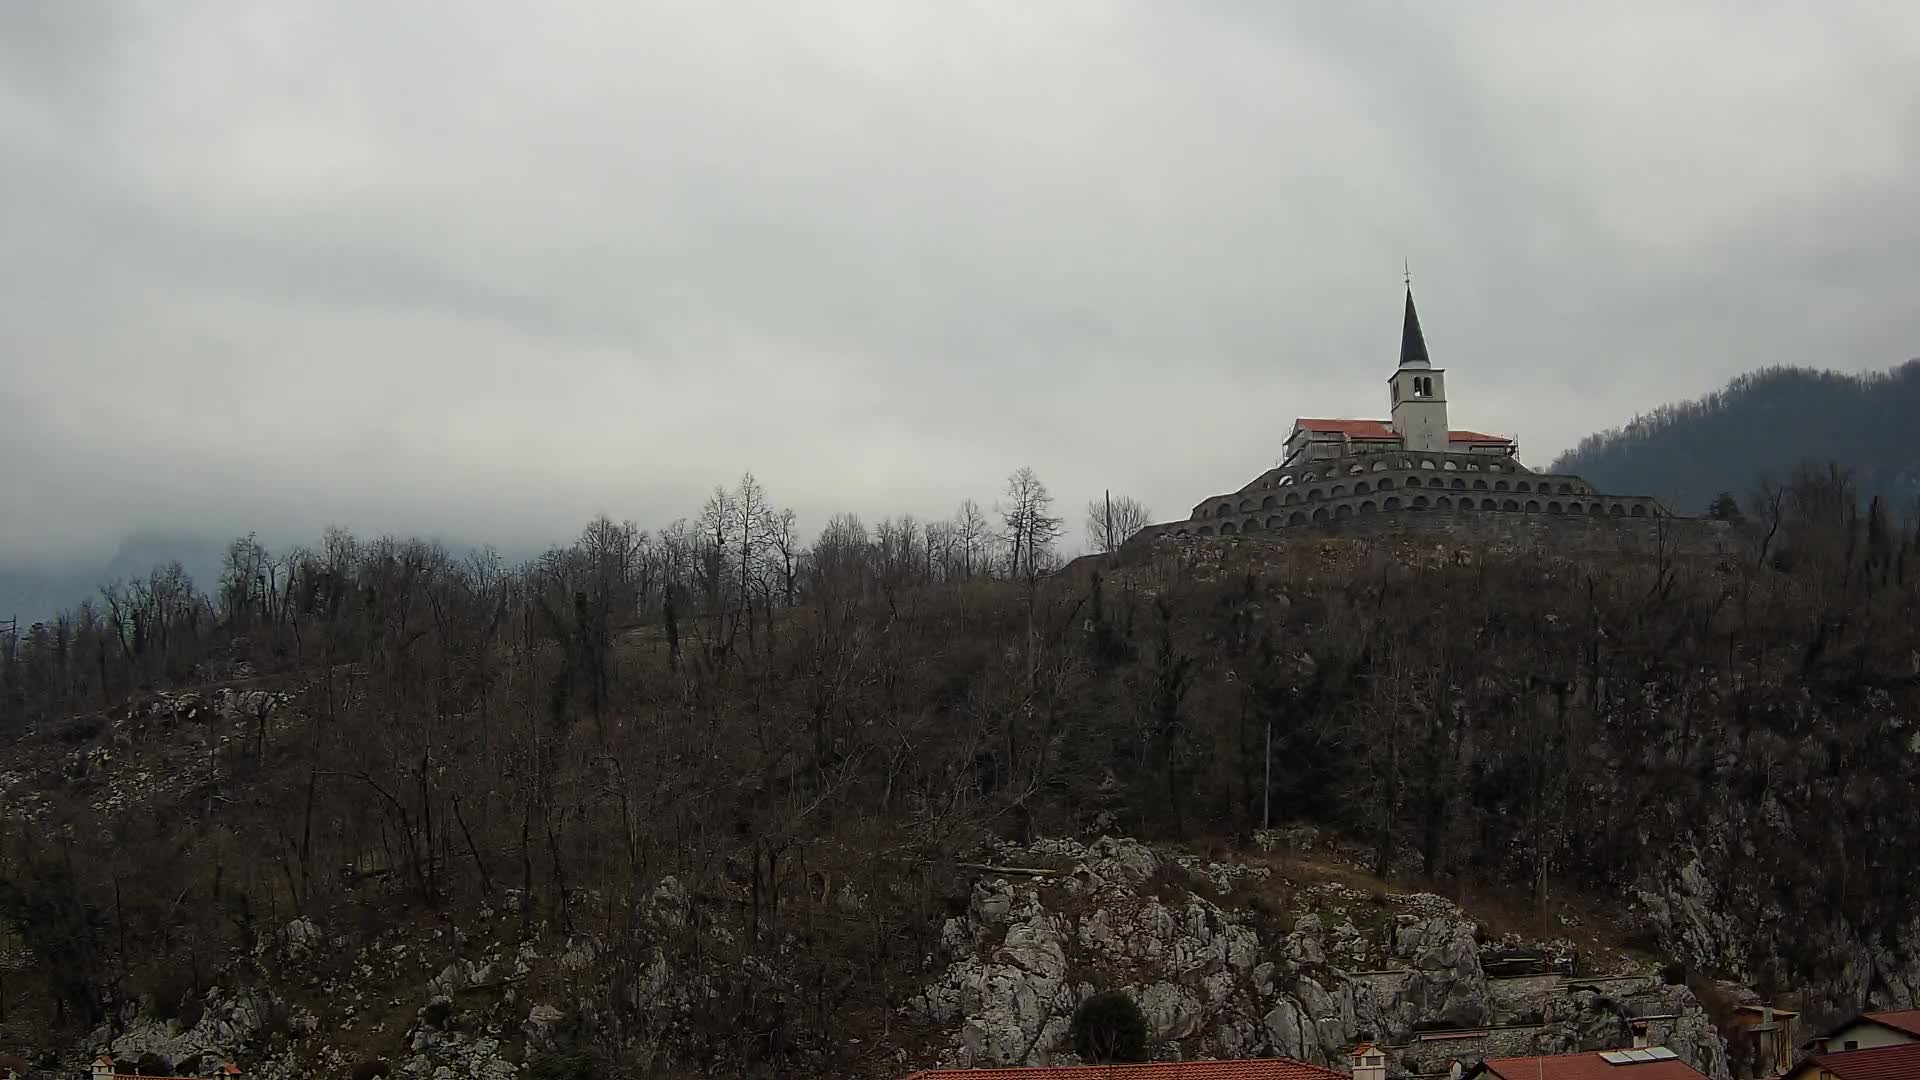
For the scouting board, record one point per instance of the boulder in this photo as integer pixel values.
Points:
(1171, 1011)
(1446, 986)
(1287, 1031)
(539, 1026)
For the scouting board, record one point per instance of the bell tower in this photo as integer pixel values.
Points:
(1419, 390)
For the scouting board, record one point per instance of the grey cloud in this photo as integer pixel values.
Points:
(486, 270)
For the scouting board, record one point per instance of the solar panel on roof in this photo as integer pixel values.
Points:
(1638, 1056)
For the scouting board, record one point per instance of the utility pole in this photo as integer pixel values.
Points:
(1266, 784)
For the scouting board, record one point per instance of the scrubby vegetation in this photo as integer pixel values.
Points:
(808, 739)
(1109, 1029)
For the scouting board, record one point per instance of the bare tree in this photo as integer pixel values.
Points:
(970, 532)
(1029, 528)
(784, 552)
(841, 556)
(1112, 521)
(713, 547)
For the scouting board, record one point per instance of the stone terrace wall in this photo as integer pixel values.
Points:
(1559, 534)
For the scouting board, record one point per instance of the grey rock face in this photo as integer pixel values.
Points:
(227, 1025)
(1447, 986)
(1014, 1006)
(1210, 986)
(539, 1026)
(452, 1056)
(1172, 1012)
(1287, 1030)
(1307, 944)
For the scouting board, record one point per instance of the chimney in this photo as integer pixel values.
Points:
(1639, 1034)
(1369, 1062)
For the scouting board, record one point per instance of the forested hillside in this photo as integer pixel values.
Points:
(702, 802)
(1758, 429)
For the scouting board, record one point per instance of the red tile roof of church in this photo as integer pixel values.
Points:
(1359, 429)
(1383, 429)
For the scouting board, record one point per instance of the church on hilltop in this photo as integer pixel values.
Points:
(1338, 470)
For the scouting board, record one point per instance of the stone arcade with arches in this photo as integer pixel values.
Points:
(1335, 470)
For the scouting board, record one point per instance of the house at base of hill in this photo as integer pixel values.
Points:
(1871, 1030)
(1760, 1039)
(1898, 1061)
(1251, 1069)
(1643, 1063)
(105, 1068)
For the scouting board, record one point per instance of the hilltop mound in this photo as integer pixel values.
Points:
(464, 821)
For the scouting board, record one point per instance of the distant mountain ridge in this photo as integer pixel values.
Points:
(1762, 424)
(36, 594)
(33, 595)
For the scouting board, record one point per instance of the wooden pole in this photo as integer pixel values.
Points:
(1266, 784)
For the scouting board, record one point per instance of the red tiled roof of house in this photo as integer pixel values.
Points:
(1257, 1069)
(1907, 1020)
(1880, 1063)
(227, 1068)
(1589, 1066)
(1476, 437)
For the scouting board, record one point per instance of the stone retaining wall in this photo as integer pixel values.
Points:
(1558, 534)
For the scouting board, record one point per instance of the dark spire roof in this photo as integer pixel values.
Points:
(1413, 344)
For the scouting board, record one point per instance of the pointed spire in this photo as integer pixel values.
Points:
(1413, 344)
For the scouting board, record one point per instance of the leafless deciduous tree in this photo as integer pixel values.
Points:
(1028, 525)
(970, 535)
(1112, 520)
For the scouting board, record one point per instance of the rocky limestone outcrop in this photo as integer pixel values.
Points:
(1446, 987)
(1007, 988)
(1714, 928)
(1214, 982)
(1222, 960)
(229, 1023)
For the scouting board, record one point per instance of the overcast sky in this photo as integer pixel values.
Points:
(486, 269)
